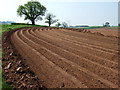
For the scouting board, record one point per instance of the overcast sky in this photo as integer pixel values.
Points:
(74, 12)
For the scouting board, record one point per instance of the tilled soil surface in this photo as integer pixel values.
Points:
(63, 58)
(15, 70)
(108, 31)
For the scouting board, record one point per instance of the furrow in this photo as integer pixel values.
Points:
(75, 65)
(85, 48)
(59, 43)
(95, 67)
(52, 66)
(83, 36)
(86, 44)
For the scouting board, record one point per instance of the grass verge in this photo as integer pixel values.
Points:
(7, 27)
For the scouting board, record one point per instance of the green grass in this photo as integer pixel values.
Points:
(7, 27)
(1, 70)
(4, 84)
(1, 54)
(115, 26)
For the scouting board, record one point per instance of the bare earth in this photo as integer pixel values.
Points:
(68, 59)
(106, 31)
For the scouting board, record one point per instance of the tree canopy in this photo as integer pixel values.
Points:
(32, 10)
(107, 24)
(50, 19)
(64, 24)
(58, 24)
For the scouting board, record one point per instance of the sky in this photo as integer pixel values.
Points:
(73, 12)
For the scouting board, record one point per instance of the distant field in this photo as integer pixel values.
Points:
(110, 31)
(93, 27)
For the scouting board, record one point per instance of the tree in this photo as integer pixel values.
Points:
(106, 24)
(64, 24)
(50, 19)
(58, 24)
(32, 11)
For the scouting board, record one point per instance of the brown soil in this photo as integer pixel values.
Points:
(62, 58)
(105, 31)
(15, 71)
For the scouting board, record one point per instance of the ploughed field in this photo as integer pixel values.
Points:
(107, 31)
(69, 59)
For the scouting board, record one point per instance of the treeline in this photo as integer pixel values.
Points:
(6, 22)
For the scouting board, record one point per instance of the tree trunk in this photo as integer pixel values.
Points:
(33, 22)
(49, 24)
